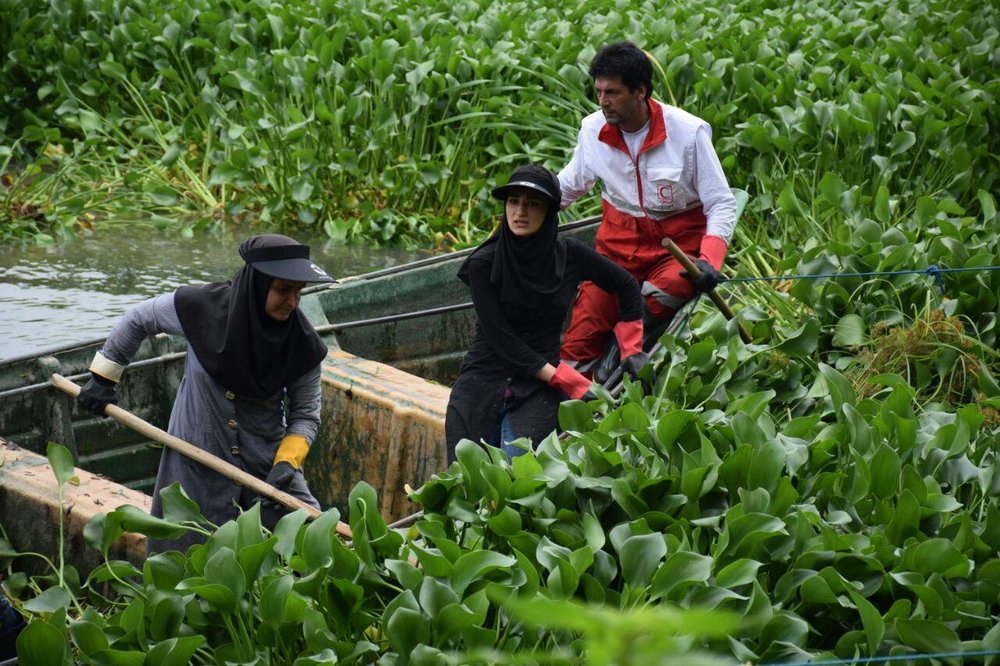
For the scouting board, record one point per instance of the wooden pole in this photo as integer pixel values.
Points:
(716, 297)
(213, 462)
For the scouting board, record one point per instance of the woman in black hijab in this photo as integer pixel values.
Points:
(523, 280)
(250, 350)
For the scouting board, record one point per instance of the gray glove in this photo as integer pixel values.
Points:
(281, 475)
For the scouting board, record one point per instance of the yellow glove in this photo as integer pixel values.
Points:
(293, 450)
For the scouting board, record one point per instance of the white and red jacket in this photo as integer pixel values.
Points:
(676, 170)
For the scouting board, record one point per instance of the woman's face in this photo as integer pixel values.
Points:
(282, 298)
(526, 211)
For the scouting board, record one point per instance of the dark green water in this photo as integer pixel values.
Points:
(74, 291)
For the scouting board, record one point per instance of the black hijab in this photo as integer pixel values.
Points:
(528, 270)
(237, 342)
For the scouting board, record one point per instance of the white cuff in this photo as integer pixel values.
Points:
(106, 368)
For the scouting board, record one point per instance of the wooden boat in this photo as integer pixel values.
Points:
(384, 397)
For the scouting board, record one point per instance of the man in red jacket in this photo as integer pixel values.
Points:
(661, 178)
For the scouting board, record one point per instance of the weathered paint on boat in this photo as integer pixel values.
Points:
(30, 506)
(389, 432)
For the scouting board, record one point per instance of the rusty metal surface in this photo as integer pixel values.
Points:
(380, 425)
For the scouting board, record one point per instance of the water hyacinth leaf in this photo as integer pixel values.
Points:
(61, 461)
(49, 601)
(672, 424)
(112, 69)
(693, 482)
(499, 482)
(784, 629)
(627, 499)
(564, 580)
(881, 208)
(452, 620)
(640, 558)
(928, 636)
(802, 341)
(937, 556)
(435, 595)
(745, 532)
(88, 637)
(850, 331)
(593, 532)
(740, 572)
(505, 523)
(816, 590)
(885, 470)
(134, 519)
(406, 629)
(216, 594)
(679, 571)
(317, 547)
(752, 405)
(302, 189)
(41, 643)
(102, 531)
(177, 507)
(871, 619)
(224, 569)
(991, 642)
(167, 617)
(433, 562)
(988, 205)
(163, 196)
(858, 428)
(789, 203)
(833, 187)
(288, 528)
(470, 458)
(576, 416)
(766, 466)
(834, 384)
(272, 601)
(902, 142)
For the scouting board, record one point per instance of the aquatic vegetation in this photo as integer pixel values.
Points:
(387, 122)
(753, 502)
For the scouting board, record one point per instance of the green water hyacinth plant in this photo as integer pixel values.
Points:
(753, 484)
(388, 122)
(300, 595)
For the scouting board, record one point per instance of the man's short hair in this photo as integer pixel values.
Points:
(625, 61)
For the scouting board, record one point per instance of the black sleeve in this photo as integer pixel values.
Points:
(610, 277)
(497, 330)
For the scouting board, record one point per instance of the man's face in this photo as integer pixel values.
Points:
(282, 298)
(621, 106)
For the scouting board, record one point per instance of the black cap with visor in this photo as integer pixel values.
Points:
(537, 179)
(286, 261)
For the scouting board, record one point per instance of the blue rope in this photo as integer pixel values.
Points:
(882, 660)
(932, 271)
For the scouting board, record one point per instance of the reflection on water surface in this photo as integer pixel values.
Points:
(74, 291)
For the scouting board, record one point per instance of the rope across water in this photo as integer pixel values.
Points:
(932, 271)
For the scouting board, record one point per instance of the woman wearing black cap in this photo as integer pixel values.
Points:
(249, 348)
(523, 280)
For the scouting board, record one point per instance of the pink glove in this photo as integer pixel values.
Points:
(629, 336)
(569, 381)
(714, 250)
